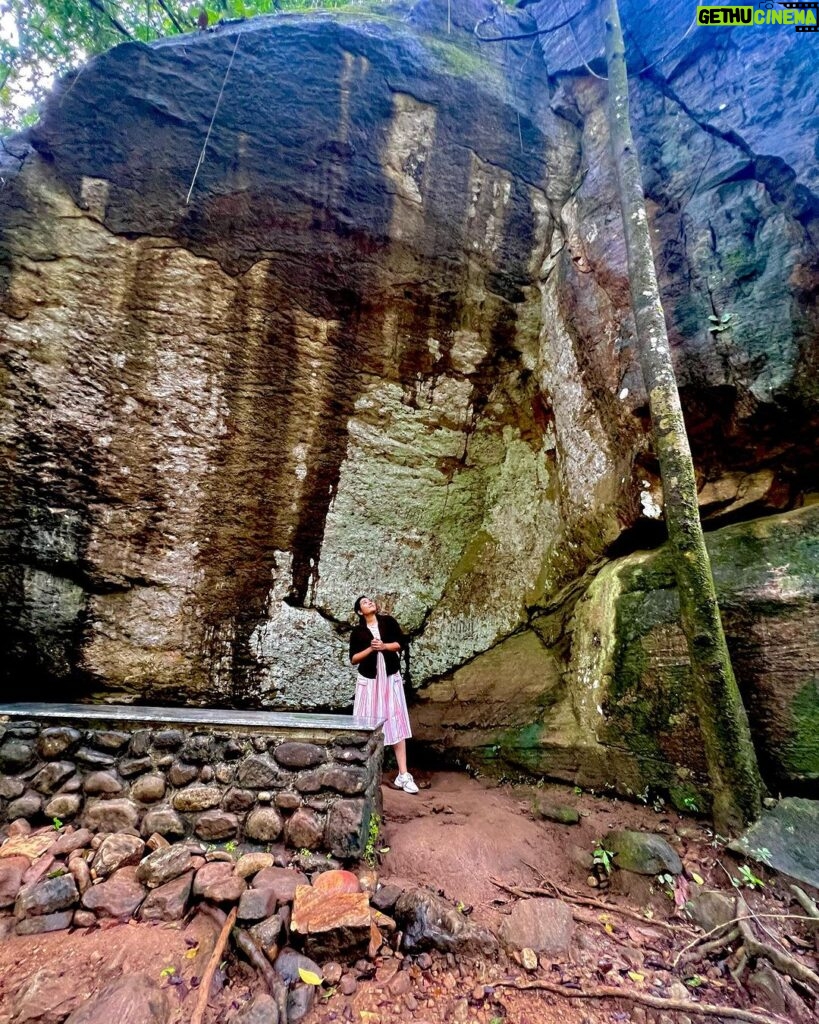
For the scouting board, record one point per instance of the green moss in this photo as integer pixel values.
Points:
(802, 754)
(461, 62)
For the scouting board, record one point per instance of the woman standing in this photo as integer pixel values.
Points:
(375, 645)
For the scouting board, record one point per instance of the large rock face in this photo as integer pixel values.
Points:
(379, 340)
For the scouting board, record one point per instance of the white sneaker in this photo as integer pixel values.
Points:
(406, 782)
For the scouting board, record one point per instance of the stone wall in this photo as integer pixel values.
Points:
(307, 781)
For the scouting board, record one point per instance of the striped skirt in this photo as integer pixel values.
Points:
(383, 698)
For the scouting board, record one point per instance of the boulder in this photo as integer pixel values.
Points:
(250, 864)
(429, 922)
(129, 999)
(264, 824)
(168, 902)
(304, 829)
(63, 806)
(263, 1009)
(214, 826)
(118, 896)
(163, 865)
(47, 996)
(46, 897)
(110, 815)
(117, 851)
(544, 925)
(164, 821)
(643, 853)
(219, 883)
(41, 923)
(148, 789)
(12, 870)
(283, 881)
(333, 925)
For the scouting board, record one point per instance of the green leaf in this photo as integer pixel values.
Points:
(309, 977)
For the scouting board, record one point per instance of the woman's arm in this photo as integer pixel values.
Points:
(356, 658)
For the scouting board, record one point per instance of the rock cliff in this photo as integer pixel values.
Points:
(363, 325)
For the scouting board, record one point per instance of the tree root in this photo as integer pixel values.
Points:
(255, 956)
(275, 985)
(587, 901)
(659, 1003)
(783, 962)
(207, 978)
(805, 902)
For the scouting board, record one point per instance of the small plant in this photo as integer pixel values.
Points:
(762, 854)
(304, 852)
(748, 878)
(603, 858)
(167, 972)
(689, 804)
(231, 846)
(577, 790)
(57, 824)
(372, 839)
(667, 881)
(721, 323)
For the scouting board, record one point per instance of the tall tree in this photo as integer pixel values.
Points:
(732, 766)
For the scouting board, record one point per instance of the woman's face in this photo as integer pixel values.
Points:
(367, 605)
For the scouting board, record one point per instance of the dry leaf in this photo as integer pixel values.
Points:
(309, 977)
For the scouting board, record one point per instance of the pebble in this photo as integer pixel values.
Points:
(347, 985)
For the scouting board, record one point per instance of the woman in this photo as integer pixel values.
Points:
(375, 645)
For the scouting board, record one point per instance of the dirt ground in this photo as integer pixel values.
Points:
(471, 841)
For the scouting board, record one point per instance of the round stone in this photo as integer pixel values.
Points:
(99, 783)
(64, 806)
(148, 789)
(263, 824)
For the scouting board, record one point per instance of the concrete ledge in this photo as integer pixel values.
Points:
(190, 716)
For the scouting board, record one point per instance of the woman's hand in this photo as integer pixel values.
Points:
(378, 645)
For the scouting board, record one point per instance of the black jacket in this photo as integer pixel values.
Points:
(361, 637)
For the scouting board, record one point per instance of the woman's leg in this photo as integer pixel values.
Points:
(400, 749)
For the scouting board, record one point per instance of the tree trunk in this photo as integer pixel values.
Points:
(732, 767)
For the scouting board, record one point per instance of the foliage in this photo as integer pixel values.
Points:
(57, 824)
(372, 839)
(603, 858)
(748, 878)
(721, 323)
(40, 39)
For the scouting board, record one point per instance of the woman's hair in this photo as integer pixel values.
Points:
(357, 605)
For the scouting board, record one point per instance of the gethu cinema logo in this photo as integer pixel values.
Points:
(803, 16)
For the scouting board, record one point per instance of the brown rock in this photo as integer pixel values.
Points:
(81, 873)
(12, 870)
(298, 755)
(46, 897)
(345, 825)
(63, 806)
(99, 783)
(47, 996)
(28, 805)
(400, 984)
(84, 919)
(262, 1010)
(38, 869)
(11, 788)
(169, 901)
(543, 925)
(164, 821)
(238, 800)
(256, 904)
(263, 824)
(213, 826)
(348, 985)
(197, 798)
(287, 800)
(45, 923)
(336, 881)
(268, 933)
(129, 999)
(181, 774)
(148, 789)
(118, 896)
(117, 851)
(257, 772)
(332, 924)
(110, 815)
(304, 830)
(53, 742)
(284, 882)
(218, 882)
(250, 864)
(130, 766)
(52, 775)
(70, 841)
(163, 865)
